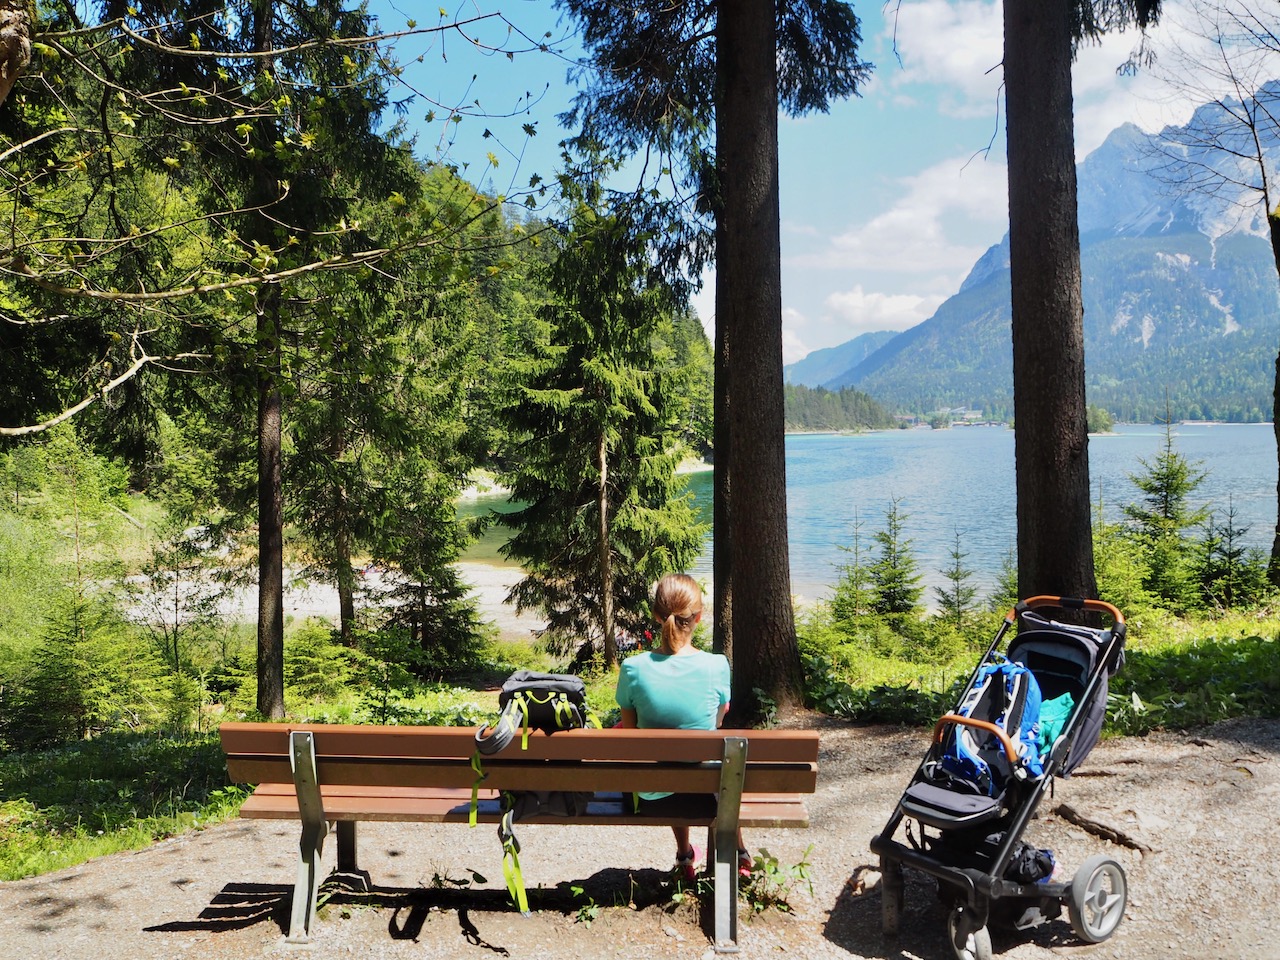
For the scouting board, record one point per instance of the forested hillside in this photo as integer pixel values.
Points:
(842, 410)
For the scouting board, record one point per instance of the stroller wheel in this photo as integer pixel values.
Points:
(967, 941)
(1099, 892)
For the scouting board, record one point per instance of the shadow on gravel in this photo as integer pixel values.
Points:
(854, 925)
(241, 905)
(237, 906)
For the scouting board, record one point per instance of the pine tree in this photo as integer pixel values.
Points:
(894, 579)
(1163, 516)
(956, 598)
(597, 415)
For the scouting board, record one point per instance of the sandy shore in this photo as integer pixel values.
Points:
(489, 583)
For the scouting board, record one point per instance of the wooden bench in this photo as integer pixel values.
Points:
(343, 774)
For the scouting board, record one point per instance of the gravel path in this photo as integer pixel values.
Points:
(1205, 803)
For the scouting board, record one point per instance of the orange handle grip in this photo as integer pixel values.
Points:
(949, 719)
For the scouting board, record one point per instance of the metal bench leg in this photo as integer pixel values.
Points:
(306, 889)
(725, 876)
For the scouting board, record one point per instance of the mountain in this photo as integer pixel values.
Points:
(822, 365)
(1181, 297)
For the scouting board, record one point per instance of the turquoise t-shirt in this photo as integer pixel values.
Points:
(682, 692)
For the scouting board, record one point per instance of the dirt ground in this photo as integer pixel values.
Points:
(1204, 803)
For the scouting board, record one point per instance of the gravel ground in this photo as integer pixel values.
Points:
(1204, 803)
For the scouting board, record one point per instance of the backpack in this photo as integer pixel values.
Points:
(973, 760)
(531, 701)
(536, 701)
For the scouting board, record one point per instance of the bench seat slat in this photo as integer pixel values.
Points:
(524, 774)
(444, 806)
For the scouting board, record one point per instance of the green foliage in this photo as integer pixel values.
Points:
(1229, 574)
(1182, 685)
(1098, 419)
(315, 664)
(772, 884)
(61, 806)
(1160, 519)
(853, 596)
(87, 674)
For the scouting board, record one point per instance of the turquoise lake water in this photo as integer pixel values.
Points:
(962, 479)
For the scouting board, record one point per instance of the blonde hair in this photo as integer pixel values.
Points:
(675, 591)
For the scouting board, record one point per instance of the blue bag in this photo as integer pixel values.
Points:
(1006, 694)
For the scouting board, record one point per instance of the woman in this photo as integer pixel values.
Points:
(677, 687)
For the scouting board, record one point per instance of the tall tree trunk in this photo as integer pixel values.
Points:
(721, 479)
(270, 513)
(1051, 439)
(15, 43)
(606, 557)
(344, 575)
(1273, 565)
(766, 657)
(270, 427)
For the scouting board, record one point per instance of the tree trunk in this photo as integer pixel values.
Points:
(766, 657)
(270, 513)
(344, 575)
(1273, 566)
(1055, 547)
(15, 43)
(721, 479)
(606, 558)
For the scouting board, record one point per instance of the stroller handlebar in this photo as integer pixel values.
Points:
(948, 719)
(1069, 603)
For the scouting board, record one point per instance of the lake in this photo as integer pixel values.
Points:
(962, 479)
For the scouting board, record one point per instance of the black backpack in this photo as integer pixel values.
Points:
(536, 701)
(531, 701)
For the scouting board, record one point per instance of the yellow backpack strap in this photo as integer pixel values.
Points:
(478, 767)
(511, 861)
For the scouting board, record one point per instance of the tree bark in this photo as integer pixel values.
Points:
(765, 654)
(1273, 565)
(606, 557)
(270, 513)
(721, 479)
(1051, 440)
(15, 43)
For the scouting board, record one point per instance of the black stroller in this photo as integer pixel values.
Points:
(970, 837)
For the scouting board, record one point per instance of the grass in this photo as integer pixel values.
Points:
(120, 791)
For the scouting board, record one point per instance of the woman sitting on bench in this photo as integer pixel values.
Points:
(678, 687)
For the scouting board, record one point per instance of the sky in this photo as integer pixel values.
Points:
(887, 200)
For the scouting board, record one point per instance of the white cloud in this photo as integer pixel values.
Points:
(957, 46)
(941, 221)
(858, 311)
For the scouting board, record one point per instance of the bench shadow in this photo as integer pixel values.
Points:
(237, 906)
(241, 905)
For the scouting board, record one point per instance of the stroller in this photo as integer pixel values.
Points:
(980, 782)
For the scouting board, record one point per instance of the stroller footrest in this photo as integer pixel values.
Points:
(946, 809)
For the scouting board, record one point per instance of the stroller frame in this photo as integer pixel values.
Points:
(1095, 895)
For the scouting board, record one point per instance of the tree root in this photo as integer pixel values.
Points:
(1107, 832)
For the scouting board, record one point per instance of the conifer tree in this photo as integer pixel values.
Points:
(597, 415)
(956, 598)
(1162, 518)
(895, 581)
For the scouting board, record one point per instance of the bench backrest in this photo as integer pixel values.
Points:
(609, 760)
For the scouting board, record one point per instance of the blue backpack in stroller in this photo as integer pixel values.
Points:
(1004, 696)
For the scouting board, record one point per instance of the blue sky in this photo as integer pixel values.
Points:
(887, 200)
